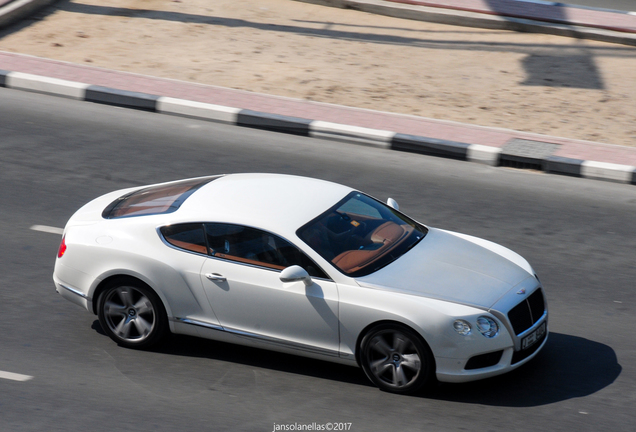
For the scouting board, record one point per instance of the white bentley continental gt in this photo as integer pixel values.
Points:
(302, 266)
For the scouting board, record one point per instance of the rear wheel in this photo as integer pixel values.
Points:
(132, 314)
(396, 359)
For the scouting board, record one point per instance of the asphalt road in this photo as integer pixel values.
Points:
(56, 154)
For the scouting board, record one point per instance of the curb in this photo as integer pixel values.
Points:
(481, 19)
(493, 156)
(15, 10)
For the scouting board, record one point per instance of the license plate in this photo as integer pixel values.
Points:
(533, 337)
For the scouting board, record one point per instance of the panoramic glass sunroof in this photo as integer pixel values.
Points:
(155, 199)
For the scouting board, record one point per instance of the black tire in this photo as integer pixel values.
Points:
(396, 359)
(132, 314)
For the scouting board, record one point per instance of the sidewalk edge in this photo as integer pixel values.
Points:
(309, 127)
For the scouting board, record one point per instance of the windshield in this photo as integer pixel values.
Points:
(360, 235)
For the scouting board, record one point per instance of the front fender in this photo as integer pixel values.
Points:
(361, 307)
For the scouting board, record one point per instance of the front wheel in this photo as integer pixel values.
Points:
(132, 314)
(396, 359)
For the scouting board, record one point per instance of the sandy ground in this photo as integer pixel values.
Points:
(529, 82)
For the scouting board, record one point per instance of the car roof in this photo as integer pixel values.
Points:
(274, 202)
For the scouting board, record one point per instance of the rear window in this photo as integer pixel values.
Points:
(155, 199)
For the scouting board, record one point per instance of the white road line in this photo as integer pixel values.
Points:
(48, 229)
(14, 376)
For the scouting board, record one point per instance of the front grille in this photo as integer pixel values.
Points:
(527, 313)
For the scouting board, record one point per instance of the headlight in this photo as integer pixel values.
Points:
(462, 327)
(487, 326)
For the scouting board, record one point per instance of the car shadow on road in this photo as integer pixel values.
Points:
(188, 346)
(568, 367)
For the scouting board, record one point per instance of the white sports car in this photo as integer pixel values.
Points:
(302, 266)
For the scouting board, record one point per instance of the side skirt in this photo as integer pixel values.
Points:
(225, 334)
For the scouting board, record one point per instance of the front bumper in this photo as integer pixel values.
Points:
(454, 370)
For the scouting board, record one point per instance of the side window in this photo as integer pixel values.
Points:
(253, 246)
(186, 236)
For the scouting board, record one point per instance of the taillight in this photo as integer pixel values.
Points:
(62, 249)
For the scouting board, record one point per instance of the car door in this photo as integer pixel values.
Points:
(242, 281)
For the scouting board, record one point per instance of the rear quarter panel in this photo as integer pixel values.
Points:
(132, 247)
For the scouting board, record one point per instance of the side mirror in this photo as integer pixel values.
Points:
(392, 203)
(294, 274)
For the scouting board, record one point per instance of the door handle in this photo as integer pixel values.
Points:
(215, 277)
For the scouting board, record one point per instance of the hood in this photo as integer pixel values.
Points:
(452, 267)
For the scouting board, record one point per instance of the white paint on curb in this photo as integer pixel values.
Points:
(328, 130)
(14, 376)
(607, 171)
(40, 84)
(202, 110)
(483, 154)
